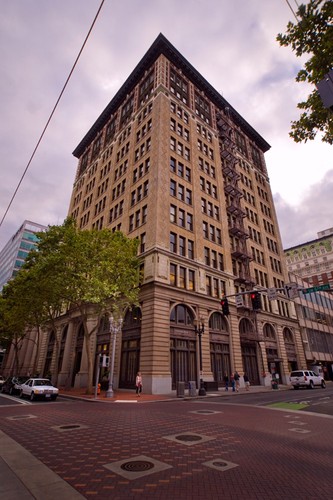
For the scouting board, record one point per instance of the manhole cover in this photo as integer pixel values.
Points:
(205, 412)
(137, 466)
(188, 437)
(219, 464)
(69, 426)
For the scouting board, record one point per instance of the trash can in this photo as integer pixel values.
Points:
(275, 384)
(180, 389)
(192, 388)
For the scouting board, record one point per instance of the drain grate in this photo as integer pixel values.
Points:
(220, 464)
(188, 437)
(66, 427)
(137, 466)
(205, 412)
(21, 417)
(69, 427)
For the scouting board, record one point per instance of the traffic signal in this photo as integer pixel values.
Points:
(256, 301)
(225, 306)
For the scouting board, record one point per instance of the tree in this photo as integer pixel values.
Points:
(13, 321)
(92, 272)
(313, 34)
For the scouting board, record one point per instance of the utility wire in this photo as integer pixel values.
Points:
(52, 113)
(292, 10)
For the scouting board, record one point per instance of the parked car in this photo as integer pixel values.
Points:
(2, 381)
(39, 388)
(12, 385)
(306, 378)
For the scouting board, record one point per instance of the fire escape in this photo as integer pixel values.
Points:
(236, 215)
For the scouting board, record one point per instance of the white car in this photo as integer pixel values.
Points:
(39, 388)
(306, 378)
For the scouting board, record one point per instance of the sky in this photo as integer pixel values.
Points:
(231, 43)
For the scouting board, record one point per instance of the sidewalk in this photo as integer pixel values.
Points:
(129, 396)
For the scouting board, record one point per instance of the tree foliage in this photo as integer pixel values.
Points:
(313, 35)
(89, 273)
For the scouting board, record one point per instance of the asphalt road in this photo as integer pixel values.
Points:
(317, 400)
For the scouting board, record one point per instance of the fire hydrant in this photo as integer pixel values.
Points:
(98, 389)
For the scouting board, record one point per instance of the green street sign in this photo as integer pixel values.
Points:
(319, 288)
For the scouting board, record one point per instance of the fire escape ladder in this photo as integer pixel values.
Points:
(233, 193)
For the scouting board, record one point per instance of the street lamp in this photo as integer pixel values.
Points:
(199, 329)
(115, 327)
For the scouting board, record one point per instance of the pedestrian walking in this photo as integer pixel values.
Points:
(233, 382)
(237, 383)
(138, 384)
(226, 381)
(247, 382)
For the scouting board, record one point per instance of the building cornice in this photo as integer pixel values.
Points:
(162, 46)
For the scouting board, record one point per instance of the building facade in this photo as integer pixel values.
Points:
(14, 253)
(313, 261)
(170, 162)
(314, 310)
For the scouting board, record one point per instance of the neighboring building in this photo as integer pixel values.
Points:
(313, 261)
(170, 162)
(315, 314)
(14, 253)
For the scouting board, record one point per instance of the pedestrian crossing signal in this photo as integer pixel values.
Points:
(225, 306)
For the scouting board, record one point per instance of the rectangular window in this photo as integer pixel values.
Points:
(173, 188)
(207, 256)
(144, 214)
(142, 242)
(173, 212)
(181, 218)
(188, 197)
(189, 221)
(209, 285)
(131, 223)
(173, 165)
(205, 229)
(182, 249)
(173, 275)
(190, 249)
(182, 277)
(173, 242)
(181, 192)
(191, 277)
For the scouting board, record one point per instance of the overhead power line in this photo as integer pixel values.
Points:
(52, 113)
(292, 10)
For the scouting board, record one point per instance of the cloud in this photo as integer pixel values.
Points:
(313, 214)
(232, 44)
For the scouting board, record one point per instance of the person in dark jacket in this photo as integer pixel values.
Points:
(226, 381)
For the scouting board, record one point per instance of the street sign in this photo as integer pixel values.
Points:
(271, 293)
(319, 288)
(292, 290)
(239, 301)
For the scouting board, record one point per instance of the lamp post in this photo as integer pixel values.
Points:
(115, 327)
(199, 329)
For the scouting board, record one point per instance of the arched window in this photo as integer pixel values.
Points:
(181, 315)
(288, 336)
(218, 323)
(269, 332)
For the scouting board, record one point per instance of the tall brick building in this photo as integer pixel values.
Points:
(170, 162)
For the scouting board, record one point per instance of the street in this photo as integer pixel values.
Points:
(230, 446)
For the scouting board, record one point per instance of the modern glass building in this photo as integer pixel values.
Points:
(14, 253)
